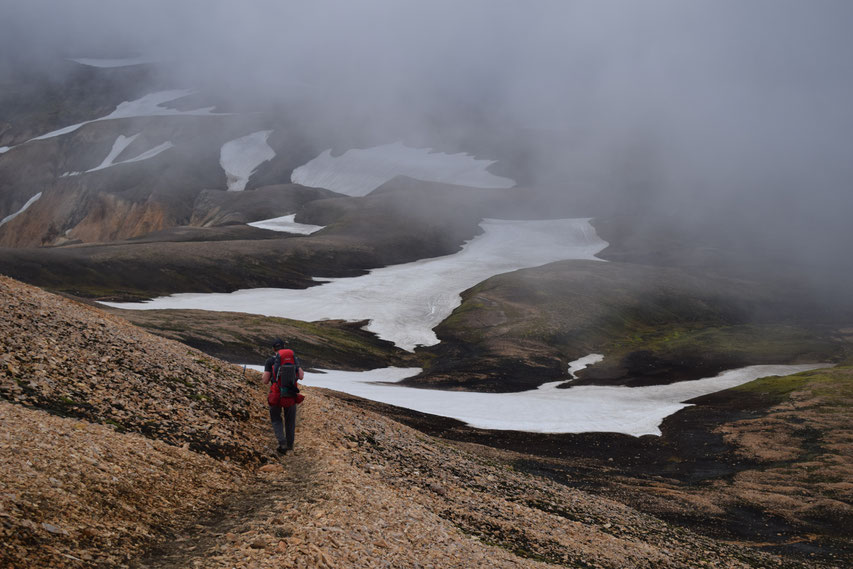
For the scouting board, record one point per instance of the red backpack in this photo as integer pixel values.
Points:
(284, 390)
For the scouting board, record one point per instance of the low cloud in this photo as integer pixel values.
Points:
(728, 114)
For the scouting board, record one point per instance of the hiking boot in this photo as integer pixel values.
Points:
(281, 450)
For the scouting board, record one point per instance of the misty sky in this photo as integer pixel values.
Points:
(722, 106)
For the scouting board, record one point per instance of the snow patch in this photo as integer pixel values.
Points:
(583, 363)
(150, 105)
(30, 202)
(287, 224)
(61, 131)
(241, 157)
(358, 172)
(633, 411)
(4, 149)
(121, 143)
(148, 154)
(119, 146)
(405, 302)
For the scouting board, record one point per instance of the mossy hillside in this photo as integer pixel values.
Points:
(654, 325)
(833, 387)
(703, 348)
(247, 338)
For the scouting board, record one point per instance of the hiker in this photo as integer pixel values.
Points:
(282, 371)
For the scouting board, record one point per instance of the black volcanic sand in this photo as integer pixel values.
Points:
(687, 456)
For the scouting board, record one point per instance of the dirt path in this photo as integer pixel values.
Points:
(246, 520)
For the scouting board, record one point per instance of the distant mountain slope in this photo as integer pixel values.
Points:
(404, 221)
(123, 449)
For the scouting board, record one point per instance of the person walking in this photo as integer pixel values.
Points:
(284, 395)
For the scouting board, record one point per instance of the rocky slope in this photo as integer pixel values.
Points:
(120, 448)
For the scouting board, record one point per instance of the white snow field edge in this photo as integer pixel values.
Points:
(287, 224)
(120, 145)
(634, 411)
(358, 172)
(405, 302)
(241, 156)
(150, 105)
(12, 216)
(582, 363)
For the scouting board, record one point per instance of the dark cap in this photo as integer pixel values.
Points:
(277, 343)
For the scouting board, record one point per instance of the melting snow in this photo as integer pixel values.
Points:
(405, 302)
(150, 105)
(151, 153)
(30, 202)
(582, 363)
(241, 157)
(5, 149)
(630, 410)
(107, 63)
(119, 146)
(359, 172)
(287, 224)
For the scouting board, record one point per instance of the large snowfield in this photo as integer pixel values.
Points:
(357, 172)
(405, 302)
(633, 411)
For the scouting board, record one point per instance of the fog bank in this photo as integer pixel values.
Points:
(733, 116)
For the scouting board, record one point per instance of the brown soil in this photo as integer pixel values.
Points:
(735, 466)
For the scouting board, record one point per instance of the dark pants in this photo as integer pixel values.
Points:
(286, 432)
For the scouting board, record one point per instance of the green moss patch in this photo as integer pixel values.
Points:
(833, 387)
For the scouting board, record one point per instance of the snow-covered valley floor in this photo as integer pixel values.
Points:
(633, 411)
(405, 302)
